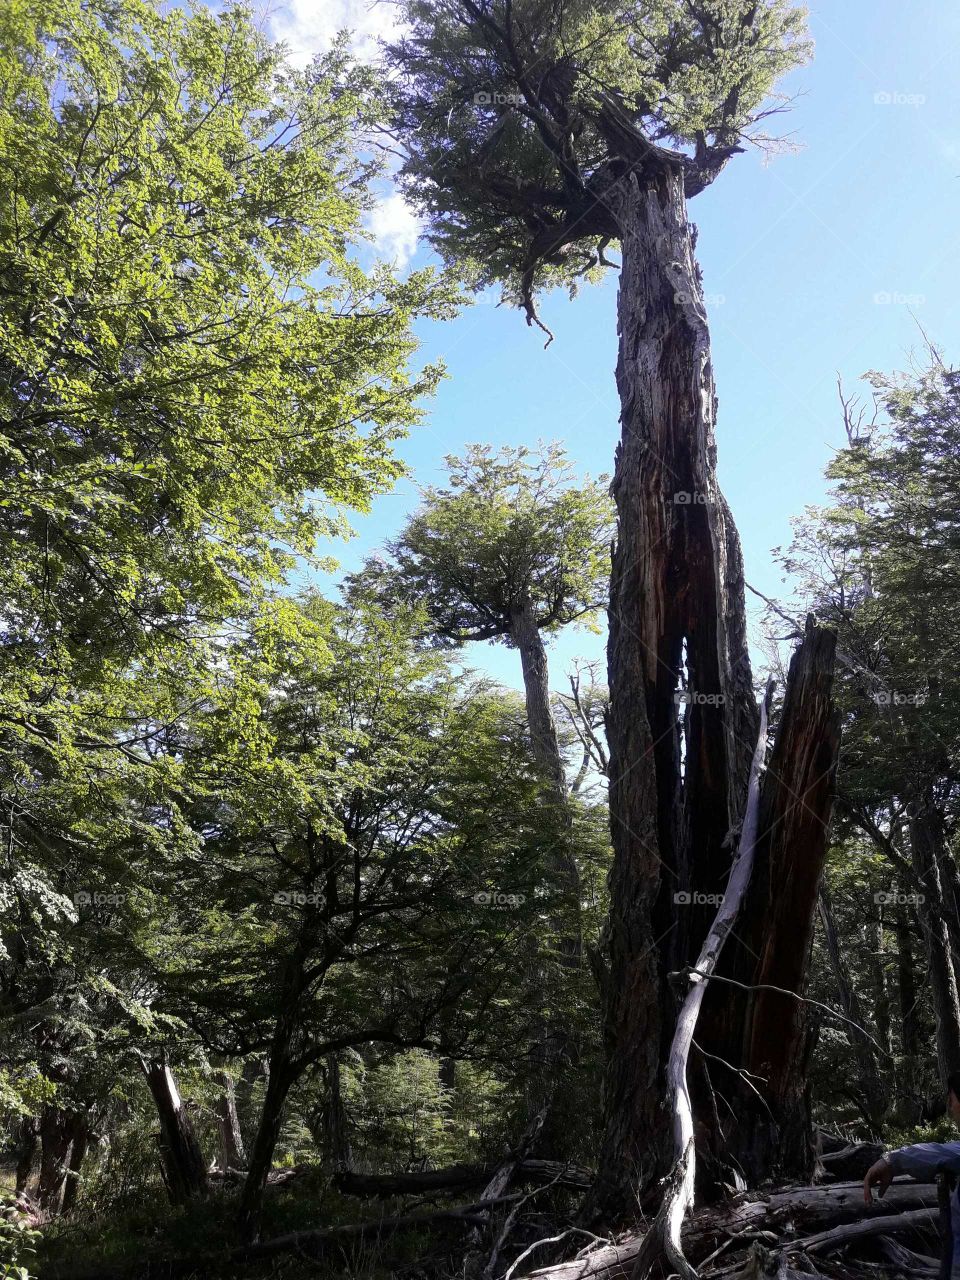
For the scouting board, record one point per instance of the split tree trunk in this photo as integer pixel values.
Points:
(676, 617)
(764, 1032)
(184, 1171)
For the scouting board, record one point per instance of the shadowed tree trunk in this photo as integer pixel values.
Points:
(184, 1171)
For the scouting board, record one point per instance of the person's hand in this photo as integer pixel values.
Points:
(879, 1175)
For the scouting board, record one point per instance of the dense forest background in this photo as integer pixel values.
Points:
(322, 951)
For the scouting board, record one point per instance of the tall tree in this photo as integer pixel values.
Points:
(514, 549)
(537, 135)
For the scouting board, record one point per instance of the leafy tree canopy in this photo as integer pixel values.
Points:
(514, 530)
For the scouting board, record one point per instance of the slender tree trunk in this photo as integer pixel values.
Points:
(184, 1171)
(908, 1082)
(677, 787)
(281, 1079)
(79, 1147)
(232, 1154)
(927, 843)
(525, 634)
(870, 1082)
(556, 1047)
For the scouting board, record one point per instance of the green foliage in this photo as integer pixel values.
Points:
(514, 528)
(17, 1240)
(515, 111)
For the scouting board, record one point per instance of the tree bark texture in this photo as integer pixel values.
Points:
(678, 772)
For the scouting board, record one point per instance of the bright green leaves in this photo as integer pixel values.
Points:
(513, 527)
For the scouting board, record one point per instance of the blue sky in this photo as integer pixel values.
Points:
(818, 262)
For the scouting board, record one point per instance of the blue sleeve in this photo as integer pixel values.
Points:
(925, 1159)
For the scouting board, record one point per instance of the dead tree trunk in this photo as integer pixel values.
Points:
(764, 1032)
(184, 1171)
(676, 621)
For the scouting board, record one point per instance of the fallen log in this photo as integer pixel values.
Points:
(458, 1178)
(836, 1237)
(785, 1215)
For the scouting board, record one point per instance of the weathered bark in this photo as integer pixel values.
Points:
(869, 1078)
(786, 1214)
(929, 852)
(184, 1171)
(232, 1154)
(764, 1032)
(676, 600)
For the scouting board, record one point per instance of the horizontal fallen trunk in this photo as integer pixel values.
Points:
(785, 1214)
(310, 1242)
(458, 1178)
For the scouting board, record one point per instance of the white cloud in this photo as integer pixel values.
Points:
(308, 27)
(396, 229)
